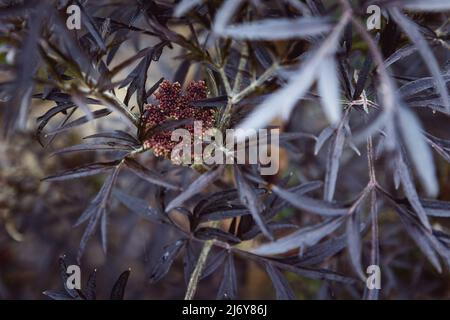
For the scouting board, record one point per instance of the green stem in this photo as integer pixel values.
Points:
(255, 84)
(241, 69)
(195, 276)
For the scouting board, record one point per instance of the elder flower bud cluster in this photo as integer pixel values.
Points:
(174, 104)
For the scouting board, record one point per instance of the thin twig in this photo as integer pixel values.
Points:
(370, 162)
(195, 277)
(201, 262)
(241, 69)
(235, 98)
(255, 84)
(225, 81)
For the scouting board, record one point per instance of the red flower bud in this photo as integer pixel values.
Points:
(174, 104)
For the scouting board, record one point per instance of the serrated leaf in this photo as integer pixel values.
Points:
(194, 188)
(209, 202)
(419, 85)
(313, 273)
(302, 238)
(418, 233)
(413, 32)
(324, 135)
(79, 100)
(436, 208)
(207, 233)
(222, 214)
(426, 5)
(354, 243)
(281, 102)
(213, 263)
(399, 54)
(139, 207)
(80, 121)
(410, 191)
(91, 27)
(115, 135)
(95, 212)
(418, 150)
(228, 285)
(220, 101)
(149, 175)
(91, 286)
(136, 81)
(162, 266)
(322, 251)
(278, 29)
(224, 15)
(249, 198)
(95, 147)
(310, 204)
(329, 90)
(184, 6)
(118, 290)
(279, 204)
(55, 295)
(334, 156)
(281, 285)
(83, 171)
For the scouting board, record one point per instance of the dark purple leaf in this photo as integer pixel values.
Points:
(118, 290)
(194, 188)
(149, 175)
(249, 198)
(83, 171)
(139, 207)
(309, 204)
(207, 233)
(228, 285)
(91, 286)
(162, 266)
(281, 285)
(301, 238)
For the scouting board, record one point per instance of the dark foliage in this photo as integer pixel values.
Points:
(90, 291)
(360, 112)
